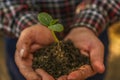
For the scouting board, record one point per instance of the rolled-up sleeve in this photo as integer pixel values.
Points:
(16, 16)
(98, 14)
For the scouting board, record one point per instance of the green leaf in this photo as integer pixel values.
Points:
(56, 27)
(54, 22)
(45, 18)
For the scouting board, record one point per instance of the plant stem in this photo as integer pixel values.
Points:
(56, 39)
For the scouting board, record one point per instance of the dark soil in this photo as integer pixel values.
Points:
(59, 58)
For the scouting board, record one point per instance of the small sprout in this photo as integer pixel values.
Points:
(47, 20)
(54, 21)
(56, 27)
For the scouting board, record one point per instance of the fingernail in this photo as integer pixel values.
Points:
(102, 69)
(99, 67)
(22, 52)
(71, 78)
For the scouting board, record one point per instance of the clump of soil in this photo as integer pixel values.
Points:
(59, 58)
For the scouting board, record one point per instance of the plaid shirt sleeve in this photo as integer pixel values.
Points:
(14, 17)
(98, 14)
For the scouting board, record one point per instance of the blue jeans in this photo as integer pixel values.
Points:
(14, 72)
(10, 45)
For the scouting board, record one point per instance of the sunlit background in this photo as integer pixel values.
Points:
(113, 58)
(113, 72)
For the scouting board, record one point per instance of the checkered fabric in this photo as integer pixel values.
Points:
(16, 15)
(98, 14)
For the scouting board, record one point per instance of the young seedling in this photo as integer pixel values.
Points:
(47, 20)
(61, 57)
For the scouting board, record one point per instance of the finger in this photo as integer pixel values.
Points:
(97, 56)
(29, 74)
(44, 75)
(24, 51)
(86, 53)
(62, 77)
(82, 73)
(23, 45)
(34, 47)
(25, 68)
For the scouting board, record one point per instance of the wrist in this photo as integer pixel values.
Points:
(84, 30)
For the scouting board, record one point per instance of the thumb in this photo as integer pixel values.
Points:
(23, 45)
(24, 51)
(97, 56)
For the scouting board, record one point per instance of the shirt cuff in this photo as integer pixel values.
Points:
(91, 19)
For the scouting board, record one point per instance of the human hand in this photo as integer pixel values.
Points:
(31, 39)
(84, 39)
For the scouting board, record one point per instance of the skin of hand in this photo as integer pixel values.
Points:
(31, 39)
(38, 36)
(88, 43)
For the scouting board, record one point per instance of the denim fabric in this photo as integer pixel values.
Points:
(10, 62)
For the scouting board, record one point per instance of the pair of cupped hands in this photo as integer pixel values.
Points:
(38, 36)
